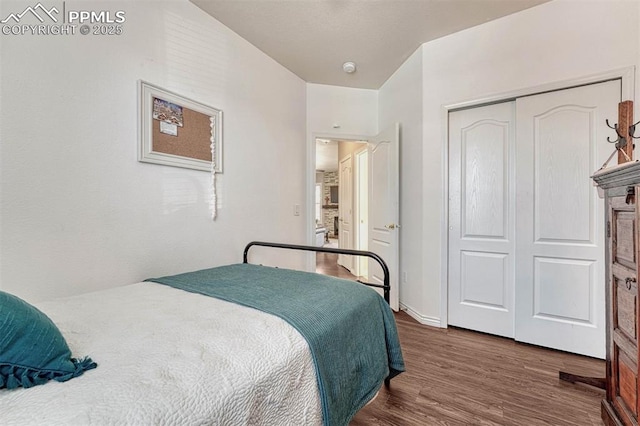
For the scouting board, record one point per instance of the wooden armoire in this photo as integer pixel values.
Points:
(621, 186)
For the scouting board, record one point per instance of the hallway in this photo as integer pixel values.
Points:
(327, 264)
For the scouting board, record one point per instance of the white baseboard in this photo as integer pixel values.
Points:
(422, 319)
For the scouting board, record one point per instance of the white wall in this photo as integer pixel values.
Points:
(354, 110)
(79, 213)
(400, 100)
(553, 42)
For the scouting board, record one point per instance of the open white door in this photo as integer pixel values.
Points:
(384, 204)
(361, 219)
(345, 211)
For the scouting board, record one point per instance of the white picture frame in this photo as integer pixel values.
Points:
(146, 154)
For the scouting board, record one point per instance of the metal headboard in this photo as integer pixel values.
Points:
(386, 286)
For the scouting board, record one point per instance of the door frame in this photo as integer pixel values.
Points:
(627, 77)
(311, 186)
(361, 264)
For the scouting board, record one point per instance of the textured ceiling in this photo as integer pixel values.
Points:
(326, 155)
(313, 38)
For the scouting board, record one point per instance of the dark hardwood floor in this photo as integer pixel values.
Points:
(460, 377)
(327, 264)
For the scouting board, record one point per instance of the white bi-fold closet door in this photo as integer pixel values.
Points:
(526, 237)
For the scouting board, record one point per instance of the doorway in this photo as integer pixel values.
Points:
(382, 206)
(341, 213)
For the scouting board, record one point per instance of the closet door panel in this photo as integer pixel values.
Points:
(481, 207)
(559, 294)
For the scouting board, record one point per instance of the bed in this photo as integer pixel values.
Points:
(270, 346)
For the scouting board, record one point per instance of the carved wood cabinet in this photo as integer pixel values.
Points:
(622, 193)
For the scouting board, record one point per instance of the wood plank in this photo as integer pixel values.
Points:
(625, 119)
(460, 377)
(628, 383)
(327, 264)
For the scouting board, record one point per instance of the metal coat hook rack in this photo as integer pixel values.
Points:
(632, 130)
(625, 132)
(621, 141)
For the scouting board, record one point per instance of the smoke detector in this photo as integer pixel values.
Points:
(349, 67)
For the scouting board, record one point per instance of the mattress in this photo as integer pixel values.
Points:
(350, 329)
(166, 357)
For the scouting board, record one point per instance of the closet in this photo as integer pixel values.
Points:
(526, 238)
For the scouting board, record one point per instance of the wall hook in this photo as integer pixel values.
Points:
(624, 142)
(621, 141)
(632, 130)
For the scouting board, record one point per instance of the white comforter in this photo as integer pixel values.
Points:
(169, 357)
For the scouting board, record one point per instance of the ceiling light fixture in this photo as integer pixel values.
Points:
(349, 67)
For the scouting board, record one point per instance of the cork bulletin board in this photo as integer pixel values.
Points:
(176, 131)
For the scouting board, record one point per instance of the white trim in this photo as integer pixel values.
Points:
(358, 269)
(625, 74)
(444, 229)
(422, 319)
(627, 77)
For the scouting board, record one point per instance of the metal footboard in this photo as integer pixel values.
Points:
(386, 286)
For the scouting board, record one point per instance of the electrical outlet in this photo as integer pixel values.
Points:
(404, 277)
(296, 209)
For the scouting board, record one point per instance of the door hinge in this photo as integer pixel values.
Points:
(608, 229)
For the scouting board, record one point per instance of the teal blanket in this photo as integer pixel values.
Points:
(350, 329)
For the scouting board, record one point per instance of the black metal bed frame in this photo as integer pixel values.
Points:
(386, 286)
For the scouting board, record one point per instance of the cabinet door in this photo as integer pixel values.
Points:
(623, 294)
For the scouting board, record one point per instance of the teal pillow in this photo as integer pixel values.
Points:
(32, 349)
